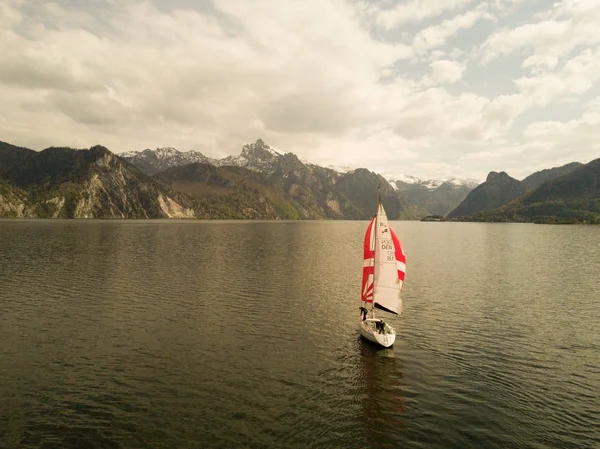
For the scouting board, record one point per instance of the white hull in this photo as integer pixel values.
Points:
(385, 337)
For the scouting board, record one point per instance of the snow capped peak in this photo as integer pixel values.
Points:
(259, 156)
(129, 153)
(163, 158)
(259, 150)
(166, 152)
(463, 182)
(408, 179)
(273, 151)
(431, 184)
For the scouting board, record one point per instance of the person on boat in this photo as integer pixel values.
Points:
(363, 313)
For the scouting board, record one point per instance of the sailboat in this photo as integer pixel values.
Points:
(383, 277)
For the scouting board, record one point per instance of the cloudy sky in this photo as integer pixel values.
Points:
(430, 88)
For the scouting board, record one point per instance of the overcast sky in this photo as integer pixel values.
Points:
(430, 88)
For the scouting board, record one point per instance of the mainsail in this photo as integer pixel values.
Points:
(384, 264)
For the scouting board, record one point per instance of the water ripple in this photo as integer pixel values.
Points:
(231, 334)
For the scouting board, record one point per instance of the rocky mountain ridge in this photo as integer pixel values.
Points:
(155, 161)
(573, 197)
(259, 183)
(93, 183)
(500, 189)
(418, 197)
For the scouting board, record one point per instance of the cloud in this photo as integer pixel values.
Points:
(444, 71)
(392, 149)
(502, 111)
(285, 72)
(566, 83)
(431, 115)
(561, 58)
(576, 77)
(9, 15)
(416, 11)
(436, 35)
(572, 138)
(443, 170)
(394, 88)
(545, 144)
(568, 25)
(497, 155)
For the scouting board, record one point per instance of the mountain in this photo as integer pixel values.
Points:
(431, 196)
(536, 179)
(359, 186)
(314, 189)
(571, 198)
(500, 189)
(310, 191)
(431, 183)
(497, 190)
(446, 197)
(259, 183)
(68, 183)
(317, 192)
(155, 161)
(12, 201)
(256, 156)
(11, 156)
(262, 182)
(229, 192)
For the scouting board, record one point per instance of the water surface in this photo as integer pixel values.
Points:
(168, 334)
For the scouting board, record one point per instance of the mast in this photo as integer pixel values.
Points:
(374, 234)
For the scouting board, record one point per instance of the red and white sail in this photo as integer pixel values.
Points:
(384, 265)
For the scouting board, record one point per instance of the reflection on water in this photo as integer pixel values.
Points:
(383, 402)
(229, 334)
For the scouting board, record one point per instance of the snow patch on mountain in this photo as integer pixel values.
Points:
(257, 156)
(431, 184)
(274, 151)
(128, 154)
(464, 182)
(306, 161)
(164, 158)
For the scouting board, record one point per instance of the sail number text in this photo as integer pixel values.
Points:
(387, 247)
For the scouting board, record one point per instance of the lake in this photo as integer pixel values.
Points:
(210, 334)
